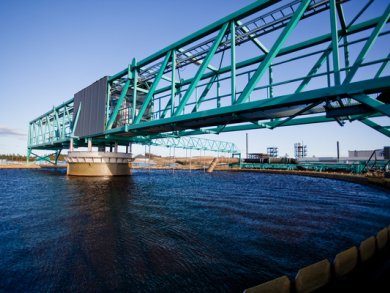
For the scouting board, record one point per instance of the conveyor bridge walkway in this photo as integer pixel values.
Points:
(270, 64)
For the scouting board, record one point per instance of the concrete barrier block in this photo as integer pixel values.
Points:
(367, 249)
(382, 238)
(388, 233)
(345, 261)
(278, 285)
(313, 277)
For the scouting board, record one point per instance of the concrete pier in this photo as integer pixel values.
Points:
(98, 164)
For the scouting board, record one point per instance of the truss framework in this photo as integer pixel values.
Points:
(199, 85)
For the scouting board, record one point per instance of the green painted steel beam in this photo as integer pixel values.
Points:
(185, 142)
(382, 67)
(29, 151)
(57, 155)
(296, 121)
(270, 82)
(193, 143)
(76, 120)
(171, 102)
(47, 130)
(150, 94)
(63, 125)
(373, 104)
(344, 27)
(173, 84)
(376, 126)
(46, 158)
(135, 81)
(335, 42)
(327, 51)
(364, 9)
(166, 78)
(118, 105)
(368, 86)
(279, 123)
(287, 50)
(168, 107)
(34, 135)
(314, 69)
(367, 46)
(139, 89)
(252, 37)
(29, 138)
(312, 42)
(340, 13)
(233, 60)
(268, 125)
(68, 113)
(273, 52)
(41, 130)
(57, 121)
(70, 101)
(240, 14)
(261, 124)
(204, 93)
(201, 70)
(108, 98)
(199, 62)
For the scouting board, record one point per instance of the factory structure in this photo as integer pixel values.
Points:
(301, 154)
(370, 162)
(353, 156)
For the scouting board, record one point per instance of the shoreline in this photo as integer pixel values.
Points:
(28, 166)
(355, 178)
(362, 179)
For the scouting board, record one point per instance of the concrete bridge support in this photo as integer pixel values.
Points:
(98, 163)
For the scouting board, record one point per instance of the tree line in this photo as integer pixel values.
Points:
(23, 158)
(14, 157)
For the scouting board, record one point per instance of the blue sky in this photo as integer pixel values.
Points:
(52, 49)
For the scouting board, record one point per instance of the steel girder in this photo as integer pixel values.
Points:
(254, 91)
(51, 128)
(189, 142)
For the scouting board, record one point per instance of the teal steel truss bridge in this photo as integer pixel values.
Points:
(270, 64)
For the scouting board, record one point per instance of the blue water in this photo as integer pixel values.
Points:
(165, 231)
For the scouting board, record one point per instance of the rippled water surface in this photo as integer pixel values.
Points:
(164, 231)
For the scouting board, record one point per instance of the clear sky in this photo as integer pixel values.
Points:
(52, 49)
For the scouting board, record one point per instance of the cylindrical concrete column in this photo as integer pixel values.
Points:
(98, 164)
(71, 145)
(90, 144)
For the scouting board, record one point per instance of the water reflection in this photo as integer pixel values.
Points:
(96, 258)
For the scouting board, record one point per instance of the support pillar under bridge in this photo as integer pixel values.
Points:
(98, 163)
(114, 163)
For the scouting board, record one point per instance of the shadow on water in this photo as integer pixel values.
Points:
(98, 245)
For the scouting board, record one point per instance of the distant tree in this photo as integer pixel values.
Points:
(15, 157)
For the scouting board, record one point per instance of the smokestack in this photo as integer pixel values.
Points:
(338, 151)
(247, 145)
